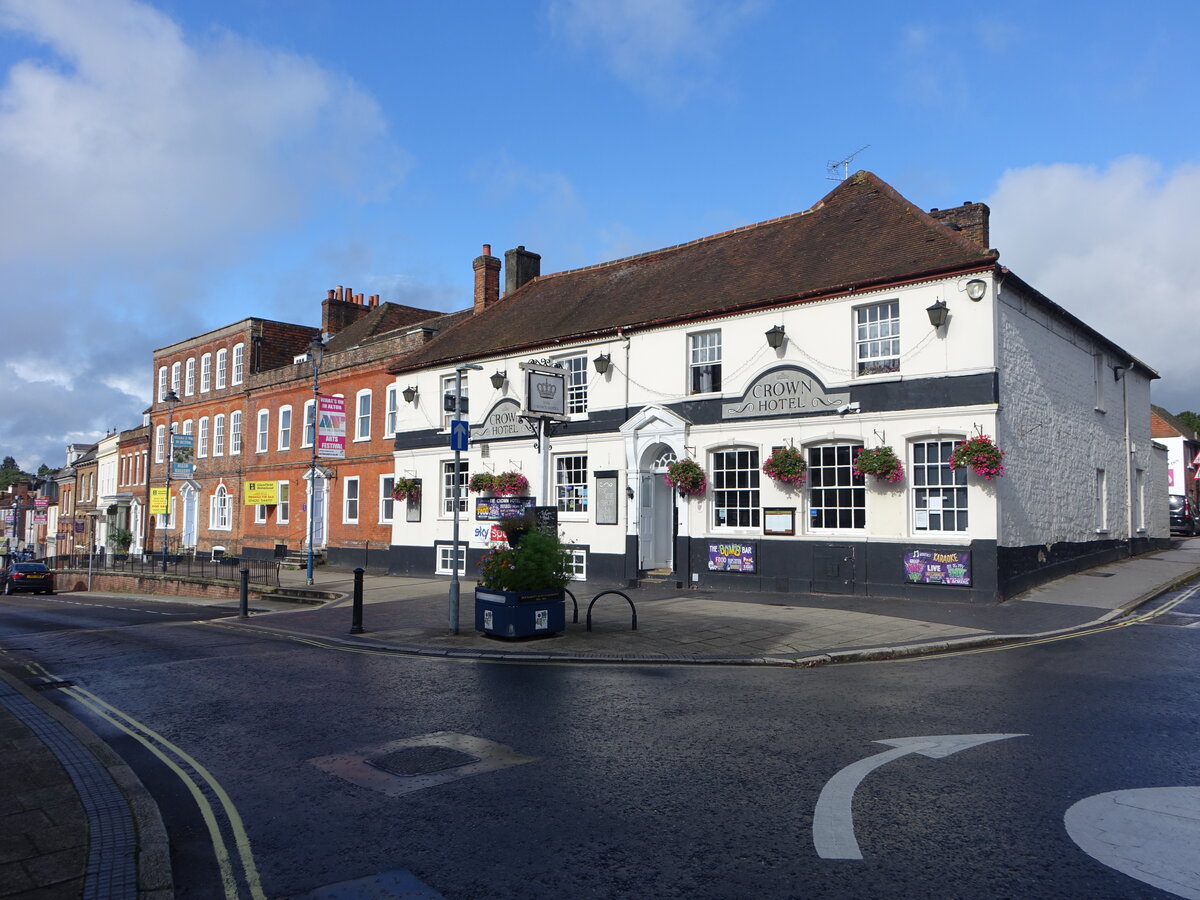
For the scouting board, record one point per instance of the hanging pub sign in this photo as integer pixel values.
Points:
(732, 556)
(545, 391)
(331, 427)
(938, 567)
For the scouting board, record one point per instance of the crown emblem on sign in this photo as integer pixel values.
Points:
(546, 390)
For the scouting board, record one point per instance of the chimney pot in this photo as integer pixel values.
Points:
(331, 292)
(487, 249)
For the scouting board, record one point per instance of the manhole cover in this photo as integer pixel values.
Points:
(411, 761)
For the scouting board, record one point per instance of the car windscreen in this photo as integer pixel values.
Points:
(30, 567)
(1177, 501)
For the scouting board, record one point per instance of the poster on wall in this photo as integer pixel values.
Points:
(493, 509)
(733, 556)
(938, 567)
(331, 427)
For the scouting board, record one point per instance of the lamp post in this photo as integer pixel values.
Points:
(454, 586)
(316, 351)
(170, 399)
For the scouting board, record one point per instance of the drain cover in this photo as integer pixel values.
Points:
(410, 761)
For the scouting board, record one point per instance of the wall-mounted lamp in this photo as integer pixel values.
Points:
(602, 362)
(409, 394)
(938, 313)
(775, 337)
(1118, 371)
(498, 379)
(629, 492)
(976, 289)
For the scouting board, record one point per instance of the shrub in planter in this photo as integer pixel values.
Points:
(787, 465)
(880, 462)
(686, 476)
(510, 484)
(540, 561)
(119, 539)
(482, 483)
(405, 488)
(981, 455)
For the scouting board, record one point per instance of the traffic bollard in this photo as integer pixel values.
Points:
(356, 624)
(245, 613)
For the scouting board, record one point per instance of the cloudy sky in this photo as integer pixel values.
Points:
(168, 167)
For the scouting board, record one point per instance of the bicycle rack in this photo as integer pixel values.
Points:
(574, 601)
(601, 594)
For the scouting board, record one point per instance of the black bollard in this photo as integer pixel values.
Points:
(245, 613)
(356, 624)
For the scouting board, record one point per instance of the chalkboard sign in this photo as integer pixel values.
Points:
(606, 498)
(546, 518)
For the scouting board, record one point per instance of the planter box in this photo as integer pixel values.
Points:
(514, 614)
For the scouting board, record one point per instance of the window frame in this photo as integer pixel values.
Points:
(576, 367)
(387, 504)
(705, 355)
(362, 421)
(919, 487)
(283, 509)
(160, 440)
(877, 364)
(175, 372)
(351, 499)
(283, 427)
(392, 402)
(262, 433)
(222, 364)
(443, 551)
(845, 480)
(189, 377)
(202, 438)
(235, 432)
(238, 372)
(206, 373)
(576, 492)
(218, 436)
(308, 435)
(162, 383)
(752, 509)
(445, 470)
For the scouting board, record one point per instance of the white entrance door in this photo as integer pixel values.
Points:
(318, 512)
(191, 504)
(656, 512)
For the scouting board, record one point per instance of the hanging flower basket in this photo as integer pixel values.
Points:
(686, 476)
(981, 455)
(482, 483)
(510, 484)
(406, 488)
(786, 465)
(881, 462)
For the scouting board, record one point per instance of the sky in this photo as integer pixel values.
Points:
(171, 166)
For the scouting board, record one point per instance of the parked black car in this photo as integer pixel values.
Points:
(1183, 515)
(27, 576)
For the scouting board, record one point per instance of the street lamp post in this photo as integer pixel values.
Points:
(454, 586)
(170, 399)
(316, 351)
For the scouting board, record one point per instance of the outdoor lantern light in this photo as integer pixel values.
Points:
(602, 362)
(498, 379)
(976, 289)
(938, 313)
(775, 337)
(409, 394)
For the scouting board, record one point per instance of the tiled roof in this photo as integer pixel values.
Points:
(383, 318)
(862, 233)
(1165, 425)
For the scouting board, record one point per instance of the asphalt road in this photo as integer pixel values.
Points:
(632, 781)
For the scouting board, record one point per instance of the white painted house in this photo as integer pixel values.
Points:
(813, 331)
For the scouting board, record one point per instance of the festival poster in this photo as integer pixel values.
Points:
(331, 427)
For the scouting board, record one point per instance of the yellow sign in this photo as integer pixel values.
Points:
(262, 493)
(158, 501)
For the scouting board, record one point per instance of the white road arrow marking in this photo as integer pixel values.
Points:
(833, 818)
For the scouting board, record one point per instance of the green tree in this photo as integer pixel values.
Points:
(10, 472)
(1190, 419)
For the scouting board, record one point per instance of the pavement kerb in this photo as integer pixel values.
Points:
(154, 873)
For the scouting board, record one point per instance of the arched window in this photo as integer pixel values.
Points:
(162, 383)
(218, 510)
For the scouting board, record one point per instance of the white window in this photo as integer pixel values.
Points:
(260, 514)
(387, 506)
(577, 382)
(571, 483)
(264, 424)
(175, 378)
(1098, 370)
(577, 565)
(239, 362)
(939, 493)
(449, 481)
(159, 433)
(219, 435)
(704, 362)
(445, 553)
(836, 497)
(218, 509)
(235, 432)
(189, 378)
(222, 356)
(735, 476)
(877, 338)
(206, 373)
(162, 383)
(285, 427)
(362, 416)
(187, 427)
(283, 512)
(1139, 499)
(202, 438)
(448, 382)
(350, 500)
(1100, 502)
(309, 412)
(393, 410)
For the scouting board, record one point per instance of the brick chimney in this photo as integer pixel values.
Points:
(520, 266)
(487, 279)
(970, 218)
(343, 308)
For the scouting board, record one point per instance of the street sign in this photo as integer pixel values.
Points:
(460, 434)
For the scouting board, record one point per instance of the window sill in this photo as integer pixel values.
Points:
(1102, 531)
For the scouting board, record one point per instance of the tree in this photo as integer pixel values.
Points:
(9, 473)
(1190, 419)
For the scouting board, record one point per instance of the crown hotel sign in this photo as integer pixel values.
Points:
(783, 391)
(545, 391)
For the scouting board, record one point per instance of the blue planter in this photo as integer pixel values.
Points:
(514, 614)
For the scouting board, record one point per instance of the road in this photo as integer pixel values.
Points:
(626, 781)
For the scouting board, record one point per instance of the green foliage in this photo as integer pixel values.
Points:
(1190, 419)
(541, 561)
(119, 539)
(10, 473)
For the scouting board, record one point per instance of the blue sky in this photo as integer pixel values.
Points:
(173, 166)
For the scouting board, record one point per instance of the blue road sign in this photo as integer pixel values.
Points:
(460, 434)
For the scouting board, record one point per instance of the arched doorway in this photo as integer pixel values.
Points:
(656, 510)
(191, 507)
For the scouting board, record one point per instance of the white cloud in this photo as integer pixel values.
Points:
(665, 49)
(1116, 246)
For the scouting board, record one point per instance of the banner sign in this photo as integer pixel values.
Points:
(261, 493)
(41, 502)
(183, 454)
(331, 427)
(40, 517)
(734, 556)
(80, 528)
(493, 509)
(158, 504)
(938, 567)
(783, 391)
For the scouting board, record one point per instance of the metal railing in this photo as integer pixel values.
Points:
(226, 568)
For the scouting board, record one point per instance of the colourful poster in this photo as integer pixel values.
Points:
(261, 493)
(331, 427)
(158, 503)
(183, 454)
(938, 567)
(733, 556)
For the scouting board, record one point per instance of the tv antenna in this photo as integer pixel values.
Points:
(843, 164)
